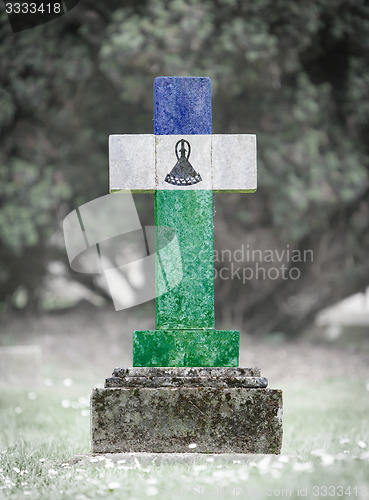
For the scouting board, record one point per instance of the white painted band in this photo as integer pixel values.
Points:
(225, 162)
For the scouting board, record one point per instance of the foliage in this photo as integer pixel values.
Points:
(296, 74)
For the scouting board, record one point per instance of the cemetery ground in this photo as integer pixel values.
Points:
(44, 425)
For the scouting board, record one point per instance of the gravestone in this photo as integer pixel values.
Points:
(185, 391)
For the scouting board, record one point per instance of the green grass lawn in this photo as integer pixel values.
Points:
(325, 451)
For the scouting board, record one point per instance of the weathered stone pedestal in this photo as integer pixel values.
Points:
(165, 410)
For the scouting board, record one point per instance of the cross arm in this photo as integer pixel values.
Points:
(225, 162)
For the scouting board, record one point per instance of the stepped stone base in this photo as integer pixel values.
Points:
(165, 410)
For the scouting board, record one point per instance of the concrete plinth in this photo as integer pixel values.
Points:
(220, 410)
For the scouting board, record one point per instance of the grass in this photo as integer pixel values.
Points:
(325, 451)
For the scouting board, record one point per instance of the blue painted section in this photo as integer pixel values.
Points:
(182, 105)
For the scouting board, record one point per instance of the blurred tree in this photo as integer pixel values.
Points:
(296, 74)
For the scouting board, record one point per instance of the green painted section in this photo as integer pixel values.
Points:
(185, 332)
(186, 348)
(190, 305)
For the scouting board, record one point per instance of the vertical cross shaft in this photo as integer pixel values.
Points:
(183, 106)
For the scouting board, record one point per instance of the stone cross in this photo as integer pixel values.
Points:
(185, 391)
(183, 163)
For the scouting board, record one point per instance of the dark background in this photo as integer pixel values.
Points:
(294, 73)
